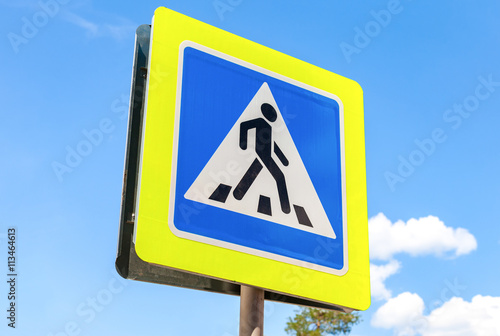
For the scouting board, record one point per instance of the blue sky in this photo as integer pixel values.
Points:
(430, 72)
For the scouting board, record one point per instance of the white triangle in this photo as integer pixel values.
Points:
(229, 163)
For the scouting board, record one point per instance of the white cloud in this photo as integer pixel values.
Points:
(378, 274)
(118, 30)
(401, 313)
(27, 4)
(426, 235)
(91, 28)
(456, 317)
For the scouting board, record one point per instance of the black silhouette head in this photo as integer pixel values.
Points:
(269, 112)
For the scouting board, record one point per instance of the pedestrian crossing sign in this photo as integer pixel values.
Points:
(252, 166)
(267, 190)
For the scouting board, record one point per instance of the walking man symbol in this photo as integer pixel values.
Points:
(264, 148)
(264, 145)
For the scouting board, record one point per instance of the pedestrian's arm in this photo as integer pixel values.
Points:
(244, 127)
(280, 155)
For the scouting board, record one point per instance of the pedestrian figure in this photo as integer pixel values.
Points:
(264, 147)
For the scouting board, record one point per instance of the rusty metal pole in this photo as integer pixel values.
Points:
(251, 311)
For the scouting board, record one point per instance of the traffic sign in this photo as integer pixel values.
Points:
(251, 168)
(272, 197)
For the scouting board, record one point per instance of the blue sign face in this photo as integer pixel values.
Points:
(281, 195)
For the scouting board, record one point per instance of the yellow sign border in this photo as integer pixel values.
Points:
(156, 244)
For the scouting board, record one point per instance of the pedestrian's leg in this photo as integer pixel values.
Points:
(247, 179)
(280, 183)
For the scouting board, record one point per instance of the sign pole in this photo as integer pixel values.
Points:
(251, 311)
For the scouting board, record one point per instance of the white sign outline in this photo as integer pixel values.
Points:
(236, 247)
